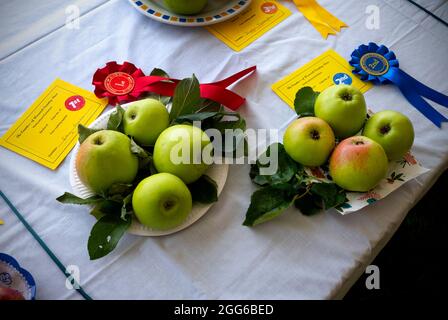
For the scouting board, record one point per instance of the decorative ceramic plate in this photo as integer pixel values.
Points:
(15, 277)
(217, 172)
(216, 11)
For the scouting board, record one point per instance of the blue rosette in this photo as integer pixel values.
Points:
(379, 65)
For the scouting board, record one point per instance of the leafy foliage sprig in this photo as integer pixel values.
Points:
(290, 185)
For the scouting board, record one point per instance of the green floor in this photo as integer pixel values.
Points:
(413, 263)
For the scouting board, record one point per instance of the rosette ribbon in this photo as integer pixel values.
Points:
(116, 81)
(324, 22)
(380, 66)
(120, 84)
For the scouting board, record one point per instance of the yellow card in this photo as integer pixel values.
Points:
(249, 25)
(320, 73)
(48, 130)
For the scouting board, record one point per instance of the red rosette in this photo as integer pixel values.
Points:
(116, 82)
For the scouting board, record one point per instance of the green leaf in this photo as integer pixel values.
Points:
(331, 195)
(162, 99)
(201, 116)
(304, 101)
(159, 72)
(204, 190)
(139, 151)
(210, 106)
(115, 121)
(232, 125)
(186, 98)
(308, 204)
(85, 132)
(126, 204)
(120, 189)
(268, 203)
(105, 235)
(69, 198)
(97, 213)
(286, 167)
(108, 207)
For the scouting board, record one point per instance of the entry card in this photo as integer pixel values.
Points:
(327, 69)
(48, 130)
(251, 24)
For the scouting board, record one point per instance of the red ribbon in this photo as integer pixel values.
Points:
(216, 91)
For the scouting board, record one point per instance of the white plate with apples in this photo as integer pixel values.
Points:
(190, 13)
(217, 172)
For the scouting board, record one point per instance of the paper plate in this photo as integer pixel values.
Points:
(15, 277)
(216, 11)
(218, 172)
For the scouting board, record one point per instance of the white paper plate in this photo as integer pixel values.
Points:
(216, 11)
(217, 172)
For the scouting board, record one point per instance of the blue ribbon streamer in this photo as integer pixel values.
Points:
(380, 66)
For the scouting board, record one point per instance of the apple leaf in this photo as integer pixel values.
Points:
(204, 190)
(120, 188)
(330, 194)
(304, 101)
(159, 72)
(186, 98)
(105, 235)
(268, 203)
(69, 198)
(286, 167)
(85, 132)
(201, 116)
(139, 151)
(309, 204)
(115, 121)
(125, 209)
(232, 125)
(208, 105)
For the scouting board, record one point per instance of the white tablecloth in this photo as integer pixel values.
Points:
(291, 257)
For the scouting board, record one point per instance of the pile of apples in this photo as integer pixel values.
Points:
(161, 201)
(361, 159)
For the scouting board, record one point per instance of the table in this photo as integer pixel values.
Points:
(295, 257)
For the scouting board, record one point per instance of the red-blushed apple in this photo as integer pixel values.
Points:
(183, 150)
(144, 120)
(161, 201)
(10, 294)
(343, 107)
(309, 141)
(358, 164)
(392, 130)
(105, 158)
(186, 7)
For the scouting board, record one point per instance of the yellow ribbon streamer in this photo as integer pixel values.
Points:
(319, 17)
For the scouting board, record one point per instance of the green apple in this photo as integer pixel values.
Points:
(186, 7)
(358, 164)
(183, 150)
(144, 120)
(343, 107)
(309, 141)
(161, 201)
(392, 130)
(105, 158)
